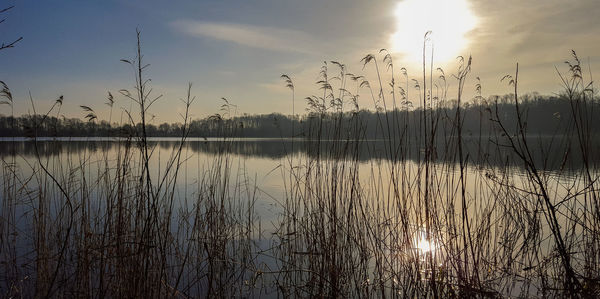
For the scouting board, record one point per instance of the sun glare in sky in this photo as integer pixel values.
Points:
(448, 20)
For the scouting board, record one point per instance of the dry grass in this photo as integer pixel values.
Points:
(423, 221)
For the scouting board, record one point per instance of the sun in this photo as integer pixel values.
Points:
(448, 20)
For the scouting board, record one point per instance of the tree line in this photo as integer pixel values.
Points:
(543, 115)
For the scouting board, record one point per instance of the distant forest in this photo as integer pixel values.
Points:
(542, 115)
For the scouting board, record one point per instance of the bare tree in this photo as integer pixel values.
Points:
(14, 42)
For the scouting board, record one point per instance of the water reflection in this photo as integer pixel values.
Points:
(546, 154)
(430, 254)
(425, 244)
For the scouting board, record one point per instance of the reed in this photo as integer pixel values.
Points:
(435, 212)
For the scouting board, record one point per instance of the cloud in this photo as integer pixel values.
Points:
(550, 31)
(261, 37)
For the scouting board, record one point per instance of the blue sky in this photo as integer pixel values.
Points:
(238, 49)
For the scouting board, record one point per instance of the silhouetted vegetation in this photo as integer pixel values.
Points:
(11, 43)
(546, 115)
(456, 201)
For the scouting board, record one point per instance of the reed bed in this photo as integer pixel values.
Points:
(440, 225)
(430, 217)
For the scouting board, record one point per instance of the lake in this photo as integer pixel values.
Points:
(294, 217)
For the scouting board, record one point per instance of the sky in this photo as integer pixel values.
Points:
(238, 49)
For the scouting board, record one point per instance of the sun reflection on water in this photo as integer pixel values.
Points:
(424, 244)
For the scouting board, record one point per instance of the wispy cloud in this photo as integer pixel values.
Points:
(261, 37)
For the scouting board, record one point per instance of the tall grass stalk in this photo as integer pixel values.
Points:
(432, 212)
